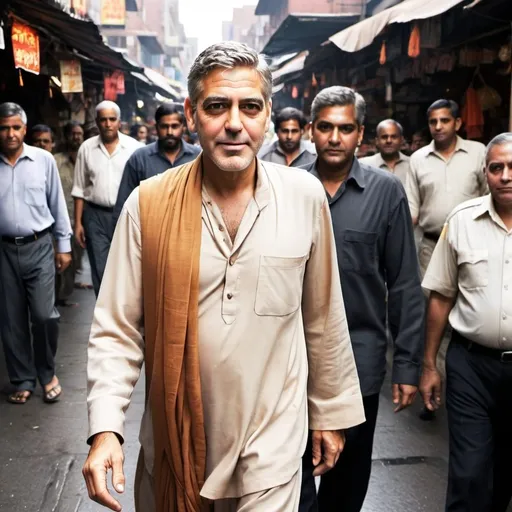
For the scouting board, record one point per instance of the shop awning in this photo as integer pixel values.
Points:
(76, 33)
(362, 34)
(300, 32)
(151, 43)
(162, 83)
(292, 66)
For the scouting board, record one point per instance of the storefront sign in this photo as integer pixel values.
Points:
(71, 76)
(113, 12)
(25, 47)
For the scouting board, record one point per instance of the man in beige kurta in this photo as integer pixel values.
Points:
(274, 349)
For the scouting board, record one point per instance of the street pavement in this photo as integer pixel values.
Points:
(43, 447)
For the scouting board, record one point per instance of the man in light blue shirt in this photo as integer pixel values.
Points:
(32, 208)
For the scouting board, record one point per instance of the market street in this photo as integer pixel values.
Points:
(409, 468)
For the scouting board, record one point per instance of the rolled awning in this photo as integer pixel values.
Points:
(362, 34)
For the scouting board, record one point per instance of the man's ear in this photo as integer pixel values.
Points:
(361, 135)
(269, 115)
(189, 115)
(309, 127)
(458, 124)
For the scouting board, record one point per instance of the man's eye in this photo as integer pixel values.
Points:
(215, 106)
(251, 106)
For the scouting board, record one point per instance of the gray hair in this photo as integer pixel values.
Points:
(499, 140)
(10, 109)
(339, 96)
(108, 105)
(389, 121)
(227, 55)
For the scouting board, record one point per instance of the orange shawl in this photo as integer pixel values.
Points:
(170, 212)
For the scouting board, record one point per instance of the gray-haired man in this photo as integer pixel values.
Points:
(32, 207)
(380, 281)
(98, 171)
(266, 339)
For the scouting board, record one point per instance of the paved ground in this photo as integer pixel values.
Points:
(42, 447)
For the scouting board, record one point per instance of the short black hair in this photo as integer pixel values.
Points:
(423, 133)
(169, 109)
(68, 127)
(41, 128)
(451, 105)
(290, 114)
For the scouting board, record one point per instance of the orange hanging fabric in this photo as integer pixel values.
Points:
(295, 92)
(314, 81)
(21, 78)
(383, 54)
(414, 42)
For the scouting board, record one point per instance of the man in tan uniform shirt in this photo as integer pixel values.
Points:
(442, 175)
(470, 283)
(273, 339)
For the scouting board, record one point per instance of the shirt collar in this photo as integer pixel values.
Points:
(356, 174)
(123, 141)
(486, 207)
(262, 191)
(186, 149)
(459, 146)
(27, 152)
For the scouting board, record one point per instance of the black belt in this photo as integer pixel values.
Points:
(98, 207)
(505, 356)
(22, 240)
(431, 236)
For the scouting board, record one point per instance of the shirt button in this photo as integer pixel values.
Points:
(229, 296)
(507, 261)
(221, 228)
(232, 261)
(504, 317)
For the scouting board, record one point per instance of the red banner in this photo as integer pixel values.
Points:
(25, 47)
(113, 85)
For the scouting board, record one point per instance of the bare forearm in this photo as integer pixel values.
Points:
(79, 209)
(439, 308)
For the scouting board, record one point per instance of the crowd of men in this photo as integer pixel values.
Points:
(267, 297)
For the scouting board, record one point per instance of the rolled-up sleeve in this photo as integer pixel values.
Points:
(406, 303)
(57, 204)
(334, 395)
(442, 272)
(116, 345)
(79, 179)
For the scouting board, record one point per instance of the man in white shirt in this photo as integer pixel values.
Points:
(98, 171)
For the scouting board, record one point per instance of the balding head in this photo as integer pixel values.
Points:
(389, 138)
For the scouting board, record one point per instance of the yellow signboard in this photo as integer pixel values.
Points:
(113, 12)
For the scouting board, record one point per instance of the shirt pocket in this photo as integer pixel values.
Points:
(473, 266)
(359, 252)
(35, 195)
(279, 289)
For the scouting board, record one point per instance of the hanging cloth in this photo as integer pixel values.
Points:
(414, 42)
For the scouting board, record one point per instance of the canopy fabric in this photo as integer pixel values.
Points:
(300, 32)
(292, 66)
(362, 34)
(161, 82)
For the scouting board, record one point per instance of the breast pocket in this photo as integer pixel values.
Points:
(473, 268)
(359, 252)
(279, 290)
(35, 195)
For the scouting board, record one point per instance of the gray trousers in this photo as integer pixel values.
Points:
(27, 286)
(97, 224)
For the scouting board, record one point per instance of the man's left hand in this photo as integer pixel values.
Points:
(403, 395)
(62, 261)
(327, 448)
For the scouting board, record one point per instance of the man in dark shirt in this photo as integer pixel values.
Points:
(381, 285)
(170, 150)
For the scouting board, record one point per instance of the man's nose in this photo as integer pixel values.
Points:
(335, 136)
(507, 175)
(234, 122)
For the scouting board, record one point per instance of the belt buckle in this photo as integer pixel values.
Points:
(18, 240)
(506, 357)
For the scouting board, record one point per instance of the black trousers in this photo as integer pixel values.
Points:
(479, 405)
(343, 489)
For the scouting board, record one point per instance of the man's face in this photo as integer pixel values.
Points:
(75, 138)
(389, 139)
(43, 140)
(12, 134)
(170, 131)
(142, 134)
(289, 134)
(108, 125)
(499, 174)
(418, 142)
(231, 118)
(336, 135)
(443, 126)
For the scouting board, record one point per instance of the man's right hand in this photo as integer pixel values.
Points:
(80, 235)
(430, 387)
(105, 453)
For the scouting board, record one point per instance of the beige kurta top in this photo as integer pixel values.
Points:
(400, 170)
(270, 309)
(435, 186)
(66, 172)
(473, 262)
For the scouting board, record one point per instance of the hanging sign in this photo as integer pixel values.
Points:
(25, 47)
(113, 12)
(71, 76)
